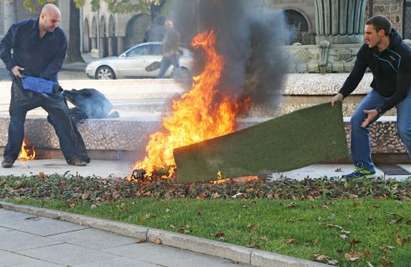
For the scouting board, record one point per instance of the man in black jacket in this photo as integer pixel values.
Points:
(37, 48)
(170, 46)
(389, 60)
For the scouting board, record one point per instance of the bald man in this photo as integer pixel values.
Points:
(37, 48)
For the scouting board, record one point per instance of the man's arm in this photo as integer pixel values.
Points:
(6, 45)
(356, 74)
(401, 92)
(55, 65)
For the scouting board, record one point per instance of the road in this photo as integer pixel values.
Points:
(63, 75)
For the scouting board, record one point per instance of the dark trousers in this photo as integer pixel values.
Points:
(166, 62)
(71, 142)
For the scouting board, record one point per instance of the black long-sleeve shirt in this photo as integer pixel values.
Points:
(40, 57)
(391, 71)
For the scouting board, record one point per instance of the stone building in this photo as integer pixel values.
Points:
(107, 34)
(104, 33)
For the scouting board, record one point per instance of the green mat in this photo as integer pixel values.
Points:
(298, 139)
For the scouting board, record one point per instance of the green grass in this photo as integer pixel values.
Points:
(378, 229)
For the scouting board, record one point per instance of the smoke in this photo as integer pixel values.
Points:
(249, 37)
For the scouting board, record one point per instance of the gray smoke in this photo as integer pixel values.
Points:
(249, 37)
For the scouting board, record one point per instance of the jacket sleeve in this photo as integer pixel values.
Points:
(403, 85)
(50, 72)
(356, 74)
(6, 45)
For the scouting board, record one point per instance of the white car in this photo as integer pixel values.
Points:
(133, 62)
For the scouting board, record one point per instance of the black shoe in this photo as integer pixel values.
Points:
(6, 163)
(77, 162)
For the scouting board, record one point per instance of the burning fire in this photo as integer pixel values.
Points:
(27, 151)
(200, 114)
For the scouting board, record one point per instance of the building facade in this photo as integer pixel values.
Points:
(105, 34)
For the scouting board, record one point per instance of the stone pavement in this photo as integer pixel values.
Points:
(113, 168)
(27, 240)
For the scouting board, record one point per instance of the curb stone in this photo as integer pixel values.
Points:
(235, 253)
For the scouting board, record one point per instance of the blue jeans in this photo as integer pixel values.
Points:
(360, 141)
(166, 62)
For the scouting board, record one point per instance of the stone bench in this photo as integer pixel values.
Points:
(119, 139)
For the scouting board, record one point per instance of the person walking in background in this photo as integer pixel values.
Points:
(170, 46)
(36, 48)
(389, 60)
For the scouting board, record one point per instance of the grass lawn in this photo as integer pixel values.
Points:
(357, 232)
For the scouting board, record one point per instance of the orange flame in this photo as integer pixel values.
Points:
(27, 151)
(200, 114)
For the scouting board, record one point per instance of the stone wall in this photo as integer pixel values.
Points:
(322, 58)
(393, 9)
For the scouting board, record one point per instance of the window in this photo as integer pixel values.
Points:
(139, 51)
(156, 49)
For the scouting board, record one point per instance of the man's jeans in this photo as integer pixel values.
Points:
(360, 142)
(166, 62)
(71, 142)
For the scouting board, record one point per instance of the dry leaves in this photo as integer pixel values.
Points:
(325, 259)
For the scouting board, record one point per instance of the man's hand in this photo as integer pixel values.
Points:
(337, 98)
(372, 114)
(16, 70)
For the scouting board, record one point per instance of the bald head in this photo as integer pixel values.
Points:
(50, 18)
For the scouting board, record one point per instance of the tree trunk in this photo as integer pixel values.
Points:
(74, 51)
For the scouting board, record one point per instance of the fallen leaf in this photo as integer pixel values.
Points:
(219, 235)
(398, 239)
(385, 261)
(353, 256)
(291, 241)
(292, 205)
(355, 242)
(157, 241)
(344, 237)
(325, 259)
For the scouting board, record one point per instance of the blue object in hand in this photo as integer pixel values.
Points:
(38, 85)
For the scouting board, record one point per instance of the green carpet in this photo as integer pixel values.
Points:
(292, 141)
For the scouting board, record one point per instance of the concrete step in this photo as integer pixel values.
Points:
(122, 138)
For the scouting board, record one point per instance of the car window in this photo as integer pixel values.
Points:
(139, 51)
(156, 49)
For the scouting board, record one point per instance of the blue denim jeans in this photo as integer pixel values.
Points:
(166, 62)
(360, 141)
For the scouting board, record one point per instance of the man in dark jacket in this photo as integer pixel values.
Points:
(37, 48)
(170, 46)
(389, 60)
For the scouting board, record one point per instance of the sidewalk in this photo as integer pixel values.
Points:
(107, 169)
(78, 66)
(27, 240)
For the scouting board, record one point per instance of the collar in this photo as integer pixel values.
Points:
(36, 29)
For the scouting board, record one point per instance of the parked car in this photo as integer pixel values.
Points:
(133, 62)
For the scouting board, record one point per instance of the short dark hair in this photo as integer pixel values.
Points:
(380, 23)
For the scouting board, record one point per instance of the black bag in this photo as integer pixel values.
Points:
(89, 104)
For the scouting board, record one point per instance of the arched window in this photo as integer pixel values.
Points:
(298, 25)
(136, 28)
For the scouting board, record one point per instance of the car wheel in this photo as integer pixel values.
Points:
(105, 73)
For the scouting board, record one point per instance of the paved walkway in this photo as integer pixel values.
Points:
(31, 241)
(107, 169)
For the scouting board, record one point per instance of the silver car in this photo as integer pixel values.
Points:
(134, 62)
